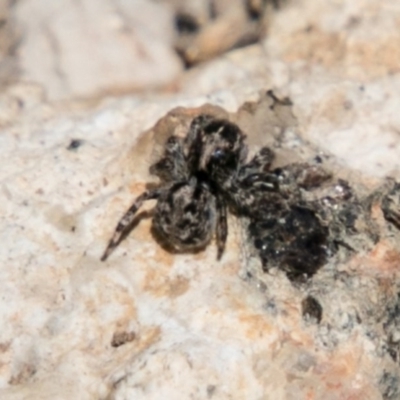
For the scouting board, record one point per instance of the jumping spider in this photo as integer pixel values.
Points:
(189, 209)
(296, 215)
(201, 175)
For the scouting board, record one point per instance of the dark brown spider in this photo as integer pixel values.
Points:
(196, 173)
(297, 215)
(205, 173)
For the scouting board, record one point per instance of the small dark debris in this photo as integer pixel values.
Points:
(318, 159)
(311, 309)
(120, 338)
(392, 352)
(254, 10)
(75, 144)
(283, 102)
(391, 326)
(271, 308)
(389, 385)
(212, 10)
(186, 24)
(211, 390)
(391, 206)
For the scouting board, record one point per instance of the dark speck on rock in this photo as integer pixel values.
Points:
(211, 390)
(185, 23)
(75, 144)
(311, 309)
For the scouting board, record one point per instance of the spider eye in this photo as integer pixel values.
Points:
(218, 154)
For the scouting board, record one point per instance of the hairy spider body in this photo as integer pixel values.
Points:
(296, 216)
(178, 212)
(191, 203)
(205, 173)
(292, 238)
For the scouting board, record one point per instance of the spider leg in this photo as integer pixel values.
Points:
(127, 220)
(248, 192)
(222, 227)
(261, 162)
(172, 166)
(262, 181)
(264, 158)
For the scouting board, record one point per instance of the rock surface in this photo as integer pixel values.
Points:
(88, 48)
(148, 324)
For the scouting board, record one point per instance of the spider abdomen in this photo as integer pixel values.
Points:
(185, 216)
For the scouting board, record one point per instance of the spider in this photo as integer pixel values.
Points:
(197, 175)
(206, 173)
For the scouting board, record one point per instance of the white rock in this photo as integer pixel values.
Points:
(183, 326)
(89, 48)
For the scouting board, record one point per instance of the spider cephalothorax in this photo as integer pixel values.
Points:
(217, 149)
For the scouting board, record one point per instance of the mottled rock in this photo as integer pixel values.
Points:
(148, 323)
(89, 48)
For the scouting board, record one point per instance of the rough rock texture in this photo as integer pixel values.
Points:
(87, 48)
(8, 39)
(205, 29)
(149, 324)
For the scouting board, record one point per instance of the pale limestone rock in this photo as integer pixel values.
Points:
(9, 37)
(183, 325)
(63, 308)
(343, 62)
(186, 325)
(353, 40)
(87, 48)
